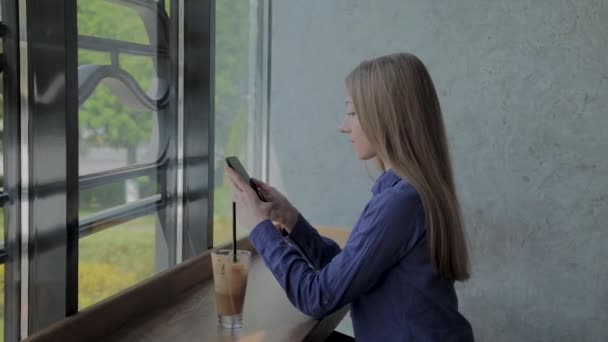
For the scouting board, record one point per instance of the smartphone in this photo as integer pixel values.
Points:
(236, 165)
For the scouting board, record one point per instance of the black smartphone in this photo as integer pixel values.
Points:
(236, 165)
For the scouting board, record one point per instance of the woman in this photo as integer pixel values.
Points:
(398, 268)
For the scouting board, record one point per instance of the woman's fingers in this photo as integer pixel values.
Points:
(235, 191)
(234, 178)
(238, 182)
(242, 188)
(266, 187)
(270, 193)
(259, 183)
(267, 191)
(267, 196)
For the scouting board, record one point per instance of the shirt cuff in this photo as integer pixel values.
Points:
(301, 232)
(264, 235)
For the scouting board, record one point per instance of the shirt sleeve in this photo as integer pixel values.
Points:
(319, 249)
(384, 233)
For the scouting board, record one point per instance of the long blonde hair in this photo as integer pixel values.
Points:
(399, 112)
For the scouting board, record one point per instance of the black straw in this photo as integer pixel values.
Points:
(234, 231)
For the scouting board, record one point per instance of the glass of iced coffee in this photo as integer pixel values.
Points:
(230, 281)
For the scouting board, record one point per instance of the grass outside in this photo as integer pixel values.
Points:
(115, 259)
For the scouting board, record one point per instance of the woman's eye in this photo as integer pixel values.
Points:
(350, 114)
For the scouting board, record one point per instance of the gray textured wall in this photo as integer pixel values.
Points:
(524, 88)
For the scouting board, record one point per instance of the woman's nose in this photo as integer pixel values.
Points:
(343, 128)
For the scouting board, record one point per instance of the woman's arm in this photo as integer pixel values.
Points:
(386, 231)
(319, 249)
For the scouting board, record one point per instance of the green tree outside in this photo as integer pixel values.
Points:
(103, 120)
(115, 259)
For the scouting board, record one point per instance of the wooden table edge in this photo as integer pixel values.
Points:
(156, 293)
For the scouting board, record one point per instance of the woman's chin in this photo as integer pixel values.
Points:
(365, 156)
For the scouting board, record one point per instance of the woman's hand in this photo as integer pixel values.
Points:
(249, 209)
(281, 211)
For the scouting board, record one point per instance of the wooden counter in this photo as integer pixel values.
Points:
(179, 305)
(268, 316)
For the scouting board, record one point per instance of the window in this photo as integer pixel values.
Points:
(9, 170)
(124, 93)
(108, 202)
(108, 133)
(239, 112)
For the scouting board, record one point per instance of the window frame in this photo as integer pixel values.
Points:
(42, 184)
(54, 184)
(11, 144)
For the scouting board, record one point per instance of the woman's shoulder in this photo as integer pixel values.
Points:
(395, 213)
(398, 200)
(400, 192)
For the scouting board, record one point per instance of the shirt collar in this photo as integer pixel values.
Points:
(386, 180)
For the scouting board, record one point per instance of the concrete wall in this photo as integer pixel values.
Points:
(524, 88)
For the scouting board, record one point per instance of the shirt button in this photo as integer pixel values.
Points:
(325, 301)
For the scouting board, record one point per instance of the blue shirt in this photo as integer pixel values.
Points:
(384, 271)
